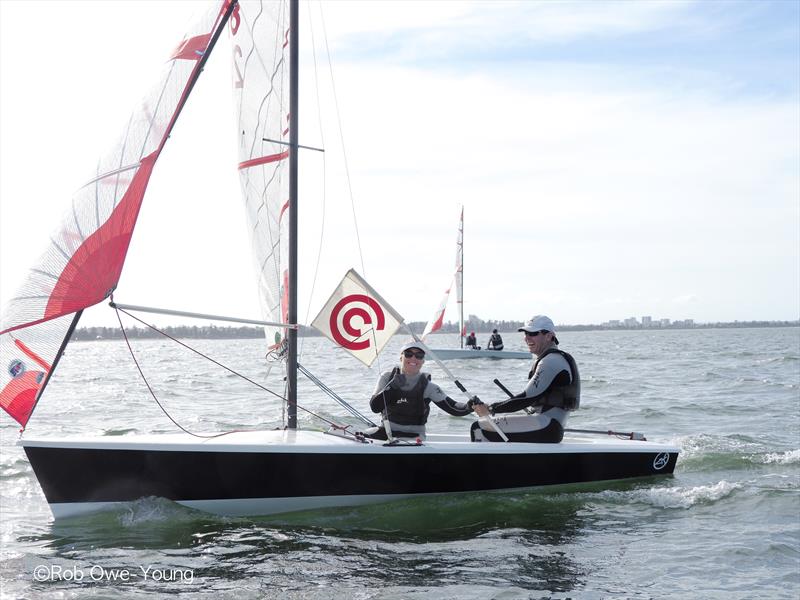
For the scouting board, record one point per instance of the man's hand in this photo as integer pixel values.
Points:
(481, 410)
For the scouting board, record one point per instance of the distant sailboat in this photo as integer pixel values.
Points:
(245, 472)
(435, 324)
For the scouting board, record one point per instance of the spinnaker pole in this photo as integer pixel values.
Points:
(294, 62)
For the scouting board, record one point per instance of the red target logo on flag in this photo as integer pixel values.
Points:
(350, 307)
(357, 318)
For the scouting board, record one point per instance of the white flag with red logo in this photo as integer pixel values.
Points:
(358, 319)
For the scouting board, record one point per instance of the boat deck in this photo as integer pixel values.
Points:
(304, 441)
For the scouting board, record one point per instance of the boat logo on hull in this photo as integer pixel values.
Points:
(661, 461)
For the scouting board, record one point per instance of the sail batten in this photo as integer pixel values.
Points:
(111, 173)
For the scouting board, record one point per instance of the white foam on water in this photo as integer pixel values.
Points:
(790, 457)
(150, 510)
(676, 497)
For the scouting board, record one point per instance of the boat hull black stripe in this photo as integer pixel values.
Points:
(104, 475)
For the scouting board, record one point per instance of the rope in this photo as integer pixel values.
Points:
(150, 389)
(255, 383)
(341, 137)
(324, 387)
(324, 174)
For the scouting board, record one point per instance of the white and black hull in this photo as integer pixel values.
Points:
(261, 473)
(464, 353)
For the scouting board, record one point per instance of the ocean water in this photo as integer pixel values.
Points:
(726, 525)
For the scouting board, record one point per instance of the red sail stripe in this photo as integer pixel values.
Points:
(253, 162)
(284, 208)
(94, 269)
(438, 324)
(193, 48)
(32, 355)
(19, 395)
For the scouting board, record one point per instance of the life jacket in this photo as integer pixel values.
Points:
(567, 397)
(496, 339)
(408, 407)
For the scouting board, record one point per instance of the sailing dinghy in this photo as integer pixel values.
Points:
(256, 472)
(435, 324)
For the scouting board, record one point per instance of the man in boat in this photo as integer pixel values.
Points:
(472, 341)
(495, 341)
(404, 395)
(553, 390)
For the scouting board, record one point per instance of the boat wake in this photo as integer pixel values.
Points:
(674, 497)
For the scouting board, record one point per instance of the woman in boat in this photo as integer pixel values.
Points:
(472, 341)
(495, 341)
(404, 395)
(553, 390)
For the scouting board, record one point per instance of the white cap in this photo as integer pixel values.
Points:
(538, 323)
(413, 344)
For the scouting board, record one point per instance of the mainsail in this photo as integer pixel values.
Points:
(82, 264)
(261, 91)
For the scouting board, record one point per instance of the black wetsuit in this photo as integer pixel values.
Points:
(552, 391)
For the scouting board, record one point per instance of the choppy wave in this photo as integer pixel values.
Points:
(675, 497)
(709, 453)
(790, 457)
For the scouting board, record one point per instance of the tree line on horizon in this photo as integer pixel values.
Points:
(483, 327)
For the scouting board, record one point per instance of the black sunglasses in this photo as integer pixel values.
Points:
(417, 355)
(535, 333)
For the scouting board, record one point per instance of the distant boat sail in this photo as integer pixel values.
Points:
(435, 324)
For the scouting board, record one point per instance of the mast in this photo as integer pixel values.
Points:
(294, 62)
(460, 293)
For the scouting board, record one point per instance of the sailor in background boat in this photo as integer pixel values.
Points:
(404, 395)
(553, 390)
(472, 341)
(495, 341)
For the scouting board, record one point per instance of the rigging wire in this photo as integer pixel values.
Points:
(150, 389)
(232, 371)
(324, 387)
(324, 174)
(341, 137)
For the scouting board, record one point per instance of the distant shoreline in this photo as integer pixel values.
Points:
(214, 332)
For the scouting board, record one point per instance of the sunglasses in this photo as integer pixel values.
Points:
(534, 333)
(417, 355)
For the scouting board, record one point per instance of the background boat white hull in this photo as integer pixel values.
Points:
(463, 353)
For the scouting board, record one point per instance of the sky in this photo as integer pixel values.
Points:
(614, 159)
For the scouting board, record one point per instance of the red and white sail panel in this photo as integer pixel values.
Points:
(83, 261)
(259, 33)
(435, 324)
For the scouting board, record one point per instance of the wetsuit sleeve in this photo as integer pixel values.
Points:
(553, 370)
(434, 393)
(377, 402)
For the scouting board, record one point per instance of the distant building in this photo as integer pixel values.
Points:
(665, 322)
(631, 322)
(647, 321)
